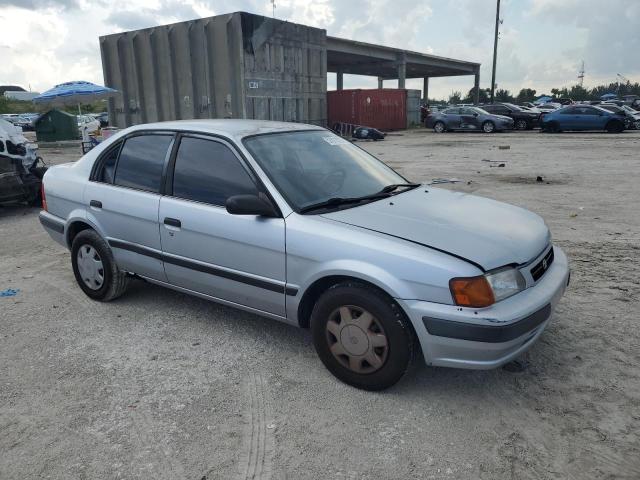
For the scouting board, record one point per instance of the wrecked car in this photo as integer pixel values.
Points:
(21, 169)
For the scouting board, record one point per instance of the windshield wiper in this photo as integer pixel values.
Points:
(395, 186)
(337, 201)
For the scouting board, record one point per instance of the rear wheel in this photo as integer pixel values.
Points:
(439, 127)
(522, 124)
(94, 267)
(614, 126)
(488, 127)
(361, 336)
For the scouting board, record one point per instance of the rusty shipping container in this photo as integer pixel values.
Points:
(381, 108)
(237, 65)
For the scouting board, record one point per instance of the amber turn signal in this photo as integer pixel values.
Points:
(472, 292)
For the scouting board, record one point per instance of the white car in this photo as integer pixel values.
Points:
(89, 123)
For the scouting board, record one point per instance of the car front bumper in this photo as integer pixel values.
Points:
(453, 336)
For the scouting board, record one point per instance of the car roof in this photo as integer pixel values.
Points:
(235, 128)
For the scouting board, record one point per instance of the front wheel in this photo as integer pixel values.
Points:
(94, 267)
(361, 336)
(488, 127)
(522, 125)
(439, 127)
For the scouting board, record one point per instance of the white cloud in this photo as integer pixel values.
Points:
(542, 41)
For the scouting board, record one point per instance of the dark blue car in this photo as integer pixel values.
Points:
(582, 117)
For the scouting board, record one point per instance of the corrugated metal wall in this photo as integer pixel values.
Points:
(229, 66)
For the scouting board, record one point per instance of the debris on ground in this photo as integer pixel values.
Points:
(9, 292)
(499, 165)
(437, 181)
(367, 133)
(504, 147)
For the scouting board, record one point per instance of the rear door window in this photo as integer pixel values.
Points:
(141, 162)
(208, 171)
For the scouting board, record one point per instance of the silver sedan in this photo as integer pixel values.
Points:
(297, 224)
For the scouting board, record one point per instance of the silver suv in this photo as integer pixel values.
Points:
(295, 223)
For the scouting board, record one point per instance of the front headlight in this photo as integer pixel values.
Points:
(485, 290)
(505, 282)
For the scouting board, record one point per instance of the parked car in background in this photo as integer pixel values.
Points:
(582, 117)
(88, 123)
(549, 106)
(102, 117)
(469, 119)
(377, 267)
(523, 119)
(631, 117)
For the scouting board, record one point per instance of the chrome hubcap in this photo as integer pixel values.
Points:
(439, 127)
(488, 127)
(90, 267)
(522, 125)
(356, 339)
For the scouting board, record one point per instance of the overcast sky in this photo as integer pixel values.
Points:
(542, 42)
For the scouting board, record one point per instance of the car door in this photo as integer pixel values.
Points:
(451, 117)
(469, 119)
(123, 198)
(570, 119)
(236, 258)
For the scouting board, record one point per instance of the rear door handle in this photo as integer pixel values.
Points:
(172, 222)
(95, 204)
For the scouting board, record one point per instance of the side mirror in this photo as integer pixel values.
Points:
(475, 114)
(250, 205)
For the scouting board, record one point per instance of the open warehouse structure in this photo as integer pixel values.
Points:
(241, 65)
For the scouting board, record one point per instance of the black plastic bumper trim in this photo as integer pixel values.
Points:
(56, 226)
(486, 333)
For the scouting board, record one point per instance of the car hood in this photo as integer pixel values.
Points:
(485, 232)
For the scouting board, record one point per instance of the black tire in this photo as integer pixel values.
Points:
(439, 127)
(614, 126)
(522, 124)
(552, 127)
(115, 281)
(488, 127)
(395, 326)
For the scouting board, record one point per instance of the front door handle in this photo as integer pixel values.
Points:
(172, 222)
(95, 204)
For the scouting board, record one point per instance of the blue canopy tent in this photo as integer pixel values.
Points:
(608, 96)
(71, 93)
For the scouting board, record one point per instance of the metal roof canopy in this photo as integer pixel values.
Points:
(360, 58)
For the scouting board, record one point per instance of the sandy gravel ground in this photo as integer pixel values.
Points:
(165, 386)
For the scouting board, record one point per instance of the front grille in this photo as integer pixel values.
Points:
(542, 266)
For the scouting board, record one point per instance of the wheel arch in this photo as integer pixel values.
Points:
(313, 292)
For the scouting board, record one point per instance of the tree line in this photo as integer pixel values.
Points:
(576, 92)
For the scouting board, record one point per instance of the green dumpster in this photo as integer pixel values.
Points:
(57, 125)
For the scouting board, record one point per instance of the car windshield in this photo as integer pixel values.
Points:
(311, 167)
(479, 110)
(513, 107)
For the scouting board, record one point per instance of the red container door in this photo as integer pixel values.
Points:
(384, 109)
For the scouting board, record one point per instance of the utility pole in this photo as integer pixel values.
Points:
(273, 6)
(495, 52)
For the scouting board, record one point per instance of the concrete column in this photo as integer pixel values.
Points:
(339, 80)
(476, 89)
(402, 70)
(380, 80)
(425, 89)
